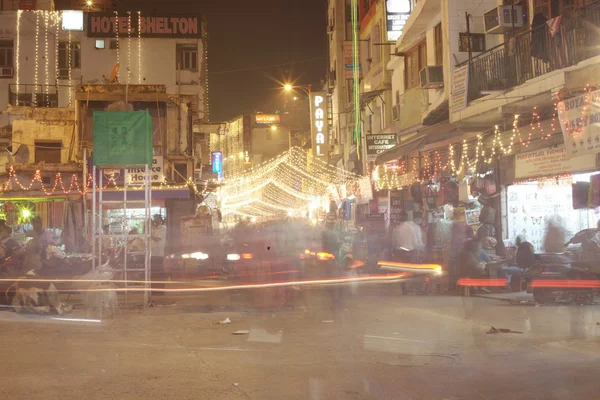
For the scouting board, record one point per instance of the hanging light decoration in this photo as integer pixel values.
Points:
(37, 57)
(139, 55)
(18, 53)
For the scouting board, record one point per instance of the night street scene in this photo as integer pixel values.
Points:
(300, 199)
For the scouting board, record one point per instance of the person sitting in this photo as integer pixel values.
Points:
(524, 259)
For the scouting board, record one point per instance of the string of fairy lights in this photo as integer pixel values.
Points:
(472, 153)
(294, 183)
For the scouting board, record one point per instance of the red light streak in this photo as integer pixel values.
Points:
(574, 284)
(481, 282)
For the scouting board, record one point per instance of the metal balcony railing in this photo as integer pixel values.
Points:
(31, 95)
(536, 52)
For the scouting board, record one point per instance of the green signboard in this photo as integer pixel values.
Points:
(122, 138)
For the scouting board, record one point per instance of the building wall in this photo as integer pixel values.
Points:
(142, 61)
(45, 124)
(268, 144)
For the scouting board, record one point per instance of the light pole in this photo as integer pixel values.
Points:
(305, 88)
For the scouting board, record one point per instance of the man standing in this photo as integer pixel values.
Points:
(407, 240)
(159, 235)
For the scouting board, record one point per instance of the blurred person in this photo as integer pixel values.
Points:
(35, 249)
(407, 242)
(524, 259)
(107, 242)
(136, 244)
(472, 260)
(157, 248)
(44, 235)
(555, 238)
(8, 246)
(460, 234)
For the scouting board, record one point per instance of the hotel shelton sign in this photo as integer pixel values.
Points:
(318, 121)
(149, 26)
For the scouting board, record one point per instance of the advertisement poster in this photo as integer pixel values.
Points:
(460, 86)
(580, 123)
(551, 161)
(396, 14)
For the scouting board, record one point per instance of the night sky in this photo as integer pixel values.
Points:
(247, 34)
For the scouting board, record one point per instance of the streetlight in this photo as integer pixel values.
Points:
(305, 88)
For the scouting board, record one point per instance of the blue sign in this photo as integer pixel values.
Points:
(217, 163)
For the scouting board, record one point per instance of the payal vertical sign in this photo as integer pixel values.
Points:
(217, 163)
(318, 122)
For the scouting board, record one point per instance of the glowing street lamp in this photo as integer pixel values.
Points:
(305, 88)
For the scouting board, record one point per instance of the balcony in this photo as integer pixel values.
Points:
(30, 95)
(535, 53)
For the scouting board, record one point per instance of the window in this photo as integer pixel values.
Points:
(6, 58)
(48, 151)
(66, 55)
(370, 124)
(376, 35)
(439, 45)
(180, 175)
(100, 44)
(187, 57)
(414, 61)
(114, 44)
(477, 42)
(397, 97)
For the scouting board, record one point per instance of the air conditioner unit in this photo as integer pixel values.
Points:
(396, 112)
(6, 71)
(501, 19)
(432, 77)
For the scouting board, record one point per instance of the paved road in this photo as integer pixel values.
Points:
(378, 345)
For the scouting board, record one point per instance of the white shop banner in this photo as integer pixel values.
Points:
(551, 161)
(136, 175)
(580, 123)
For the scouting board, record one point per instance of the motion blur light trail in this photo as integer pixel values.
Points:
(310, 282)
(482, 282)
(397, 266)
(575, 284)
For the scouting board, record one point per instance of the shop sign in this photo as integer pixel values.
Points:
(460, 88)
(349, 61)
(396, 207)
(580, 123)
(136, 175)
(267, 118)
(379, 143)
(551, 161)
(396, 13)
(365, 190)
(100, 24)
(216, 158)
(318, 120)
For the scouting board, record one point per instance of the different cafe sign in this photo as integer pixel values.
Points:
(150, 26)
(318, 121)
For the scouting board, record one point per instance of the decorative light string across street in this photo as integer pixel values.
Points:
(294, 183)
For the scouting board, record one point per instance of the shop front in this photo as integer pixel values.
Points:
(545, 184)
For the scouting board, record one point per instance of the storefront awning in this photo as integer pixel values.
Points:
(401, 150)
(369, 96)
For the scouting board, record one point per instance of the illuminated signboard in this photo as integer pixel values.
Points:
(318, 117)
(267, 118)
(396, 13)
(154, 26)
(217, 163)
